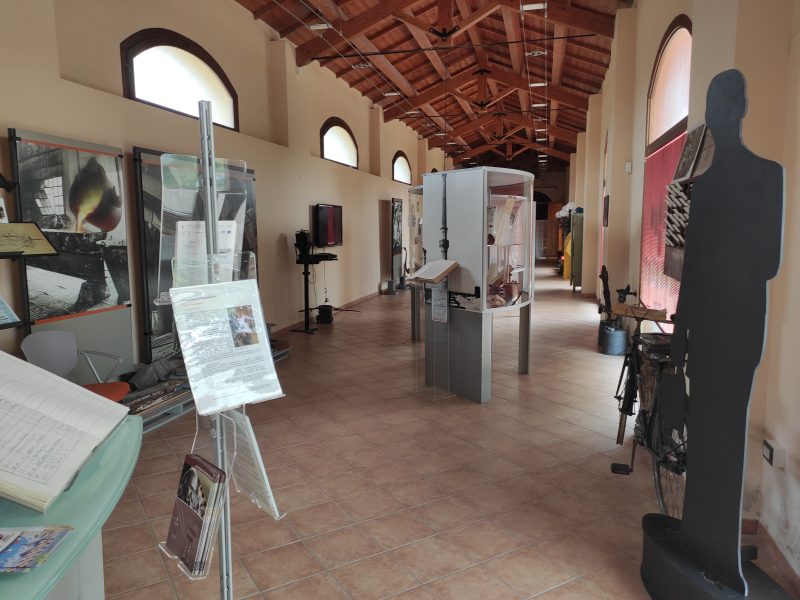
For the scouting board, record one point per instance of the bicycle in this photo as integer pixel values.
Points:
(660, 425)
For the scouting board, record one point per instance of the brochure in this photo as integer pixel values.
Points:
(225, 345)
(23, 549)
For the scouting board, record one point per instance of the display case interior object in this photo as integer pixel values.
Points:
(483, 219)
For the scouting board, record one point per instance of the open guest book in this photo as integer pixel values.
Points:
(48, 429)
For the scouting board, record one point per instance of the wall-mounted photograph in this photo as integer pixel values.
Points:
(74, 192)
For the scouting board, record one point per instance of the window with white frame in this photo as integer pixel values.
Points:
(337, 142)
(166, 69)
(401, 168)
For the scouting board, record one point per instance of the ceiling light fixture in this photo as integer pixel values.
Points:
(362, 65)
(413, 112)
(538, 84)
(539, 105)
(320, 26)
(388, 94)
(534, 6)
(536, 53)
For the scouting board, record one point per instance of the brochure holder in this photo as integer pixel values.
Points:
(245, 468)
(191, 178)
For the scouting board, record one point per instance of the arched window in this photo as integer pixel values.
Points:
(667, 115)
(337, 142)
(165, 69)
(401, 168)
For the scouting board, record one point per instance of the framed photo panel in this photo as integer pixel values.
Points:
(74, 192)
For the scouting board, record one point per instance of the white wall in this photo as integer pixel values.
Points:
(67, 82)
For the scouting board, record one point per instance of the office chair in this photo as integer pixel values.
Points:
(58, 352)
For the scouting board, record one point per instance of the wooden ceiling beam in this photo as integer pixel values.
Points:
(474, 36)
(382, 64)
(557, 69)
(562, 134)
(503, 76)
(512, 24)
(444, 15)
(264, 11)
(554, 92)
(577, 18)
(432, 93)
(475, 17)
(329, 10)
(414, 24)
(543, 149)
(349, 29)
(472, 126)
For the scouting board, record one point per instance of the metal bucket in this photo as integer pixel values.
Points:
(612, 340)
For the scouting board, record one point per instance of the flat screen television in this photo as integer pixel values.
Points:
(327, 225)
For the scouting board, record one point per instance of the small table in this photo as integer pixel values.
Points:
(77, 564)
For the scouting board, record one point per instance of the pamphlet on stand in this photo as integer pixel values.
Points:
(245, 465)
(195, 516)
(225, 345)
(189, 266)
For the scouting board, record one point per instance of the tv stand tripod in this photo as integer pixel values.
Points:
(308, 259)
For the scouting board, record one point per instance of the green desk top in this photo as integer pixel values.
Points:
(85, 506)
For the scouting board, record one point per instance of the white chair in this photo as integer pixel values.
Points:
(58, 352)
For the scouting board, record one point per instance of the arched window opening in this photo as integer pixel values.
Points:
(667, 115)
(668, 100)
(165, 69)
(401, 168)
(337, 143)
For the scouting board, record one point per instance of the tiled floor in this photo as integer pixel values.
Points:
(392, 496)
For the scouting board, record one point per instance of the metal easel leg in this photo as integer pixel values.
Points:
(209, 196)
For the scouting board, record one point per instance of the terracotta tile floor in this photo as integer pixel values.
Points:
(389, 495)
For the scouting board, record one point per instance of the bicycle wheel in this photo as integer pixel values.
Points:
(669, 466)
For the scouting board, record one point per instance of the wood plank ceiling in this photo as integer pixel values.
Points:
(467, 75)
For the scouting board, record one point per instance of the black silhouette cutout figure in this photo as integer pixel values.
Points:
(733, 248)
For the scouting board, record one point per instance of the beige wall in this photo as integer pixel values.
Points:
(71, 85)
(773, 91)
(763, 45)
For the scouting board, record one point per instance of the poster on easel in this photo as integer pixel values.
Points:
(225, 345)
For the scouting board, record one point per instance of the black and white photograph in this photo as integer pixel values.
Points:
(194, 489)
(74, 192)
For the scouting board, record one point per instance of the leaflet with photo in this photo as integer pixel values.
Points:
(22, 549)
(194, 513)
(225, 345)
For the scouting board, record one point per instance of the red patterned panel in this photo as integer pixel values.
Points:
(656, 289)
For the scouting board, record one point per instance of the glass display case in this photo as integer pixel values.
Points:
(483, 219)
